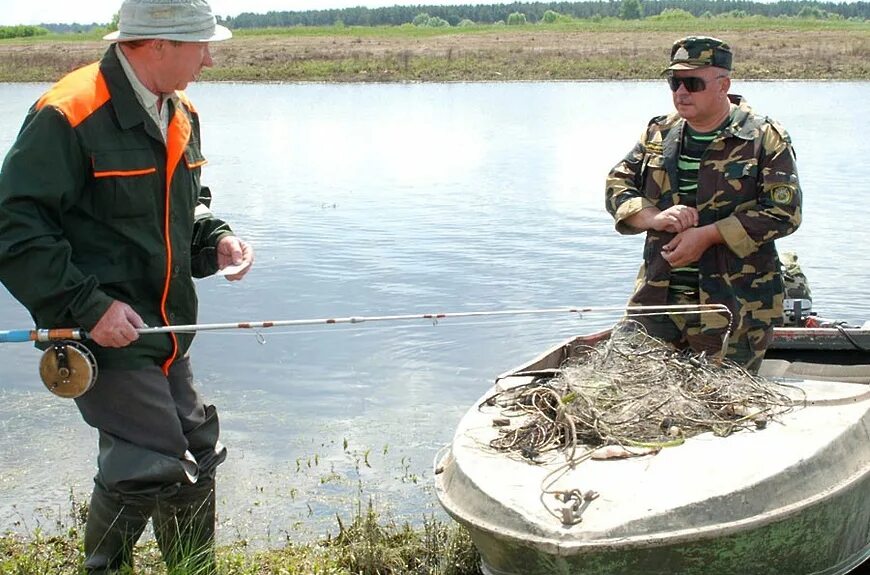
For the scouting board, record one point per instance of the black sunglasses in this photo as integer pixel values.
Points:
(692, 83)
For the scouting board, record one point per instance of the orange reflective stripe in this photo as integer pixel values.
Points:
(78, 94)
(177, 137)
(124, 173)
(192, 165)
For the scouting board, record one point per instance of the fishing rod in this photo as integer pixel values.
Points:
(69, 369)
(77, 334)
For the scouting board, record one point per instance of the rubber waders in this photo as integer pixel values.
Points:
(111, 532)
(184, 526)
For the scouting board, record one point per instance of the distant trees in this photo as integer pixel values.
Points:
(70, 28)
(631, 10)
(816, 13)
(516, 19)
(677, 14)
(550, 17)
(21, 31)
(548, 12)
(514, 13)
(423, 19)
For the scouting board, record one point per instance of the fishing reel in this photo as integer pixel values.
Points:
(68, 368)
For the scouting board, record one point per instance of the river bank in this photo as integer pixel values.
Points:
(771, 49)
(365, 543)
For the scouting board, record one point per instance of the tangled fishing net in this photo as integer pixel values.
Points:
(633, 390)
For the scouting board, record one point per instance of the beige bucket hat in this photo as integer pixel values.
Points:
(180, 20)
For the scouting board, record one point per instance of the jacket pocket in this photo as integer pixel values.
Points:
(741, 169)
(654, 176)
(127, 183)
(740, 179)
(194, 158)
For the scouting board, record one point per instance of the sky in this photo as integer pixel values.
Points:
(87, 11)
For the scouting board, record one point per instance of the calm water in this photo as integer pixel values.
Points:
(406, 199)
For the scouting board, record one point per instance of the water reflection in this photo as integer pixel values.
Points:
(400, 199)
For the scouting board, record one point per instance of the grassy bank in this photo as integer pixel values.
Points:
(353, 533)
(366, 544)
(765, 48)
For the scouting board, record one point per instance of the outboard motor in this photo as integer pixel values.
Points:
(798, 299)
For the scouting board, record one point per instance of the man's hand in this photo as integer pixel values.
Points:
(688, 245)
(117, 327)
(232, 251)
(675, 219)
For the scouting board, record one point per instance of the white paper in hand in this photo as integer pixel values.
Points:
(233, 269)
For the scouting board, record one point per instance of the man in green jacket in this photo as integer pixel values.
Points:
(103, 225)
(712, 185)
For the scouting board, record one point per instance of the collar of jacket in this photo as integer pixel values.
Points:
(744, 123)
(128, 110)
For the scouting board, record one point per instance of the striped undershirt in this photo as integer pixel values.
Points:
(684, 280)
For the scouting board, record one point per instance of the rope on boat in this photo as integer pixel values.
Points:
(630, 395)
(851, 340)
(634, 390)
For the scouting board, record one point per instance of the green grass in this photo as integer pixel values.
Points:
(367, 544)
(599, 49)
(720, 24)
(71, 38)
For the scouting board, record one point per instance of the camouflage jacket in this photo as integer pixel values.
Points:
(747, 186)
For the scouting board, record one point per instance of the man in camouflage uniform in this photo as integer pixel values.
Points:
(712, 185)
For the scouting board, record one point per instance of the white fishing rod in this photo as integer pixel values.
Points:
(69, 369)
(436, 317)
(47, 335)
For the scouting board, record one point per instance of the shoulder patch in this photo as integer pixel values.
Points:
(782, 195)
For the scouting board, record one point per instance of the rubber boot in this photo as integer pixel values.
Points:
(184, 527)
(111, 532)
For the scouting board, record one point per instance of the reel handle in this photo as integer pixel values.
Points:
(68, 369)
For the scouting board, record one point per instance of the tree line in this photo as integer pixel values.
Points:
(513, 13)
(535, 12)
(21, 31)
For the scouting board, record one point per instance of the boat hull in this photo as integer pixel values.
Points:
(793, 499)
(826, 537)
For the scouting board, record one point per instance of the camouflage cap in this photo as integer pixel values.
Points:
(699, 52)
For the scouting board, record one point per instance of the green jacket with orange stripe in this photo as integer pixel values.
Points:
(95, 207)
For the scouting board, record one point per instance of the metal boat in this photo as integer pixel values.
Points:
(791, 499)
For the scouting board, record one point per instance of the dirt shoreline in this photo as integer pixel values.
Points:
(495, 54)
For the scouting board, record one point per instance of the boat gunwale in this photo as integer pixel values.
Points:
(783, 336)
